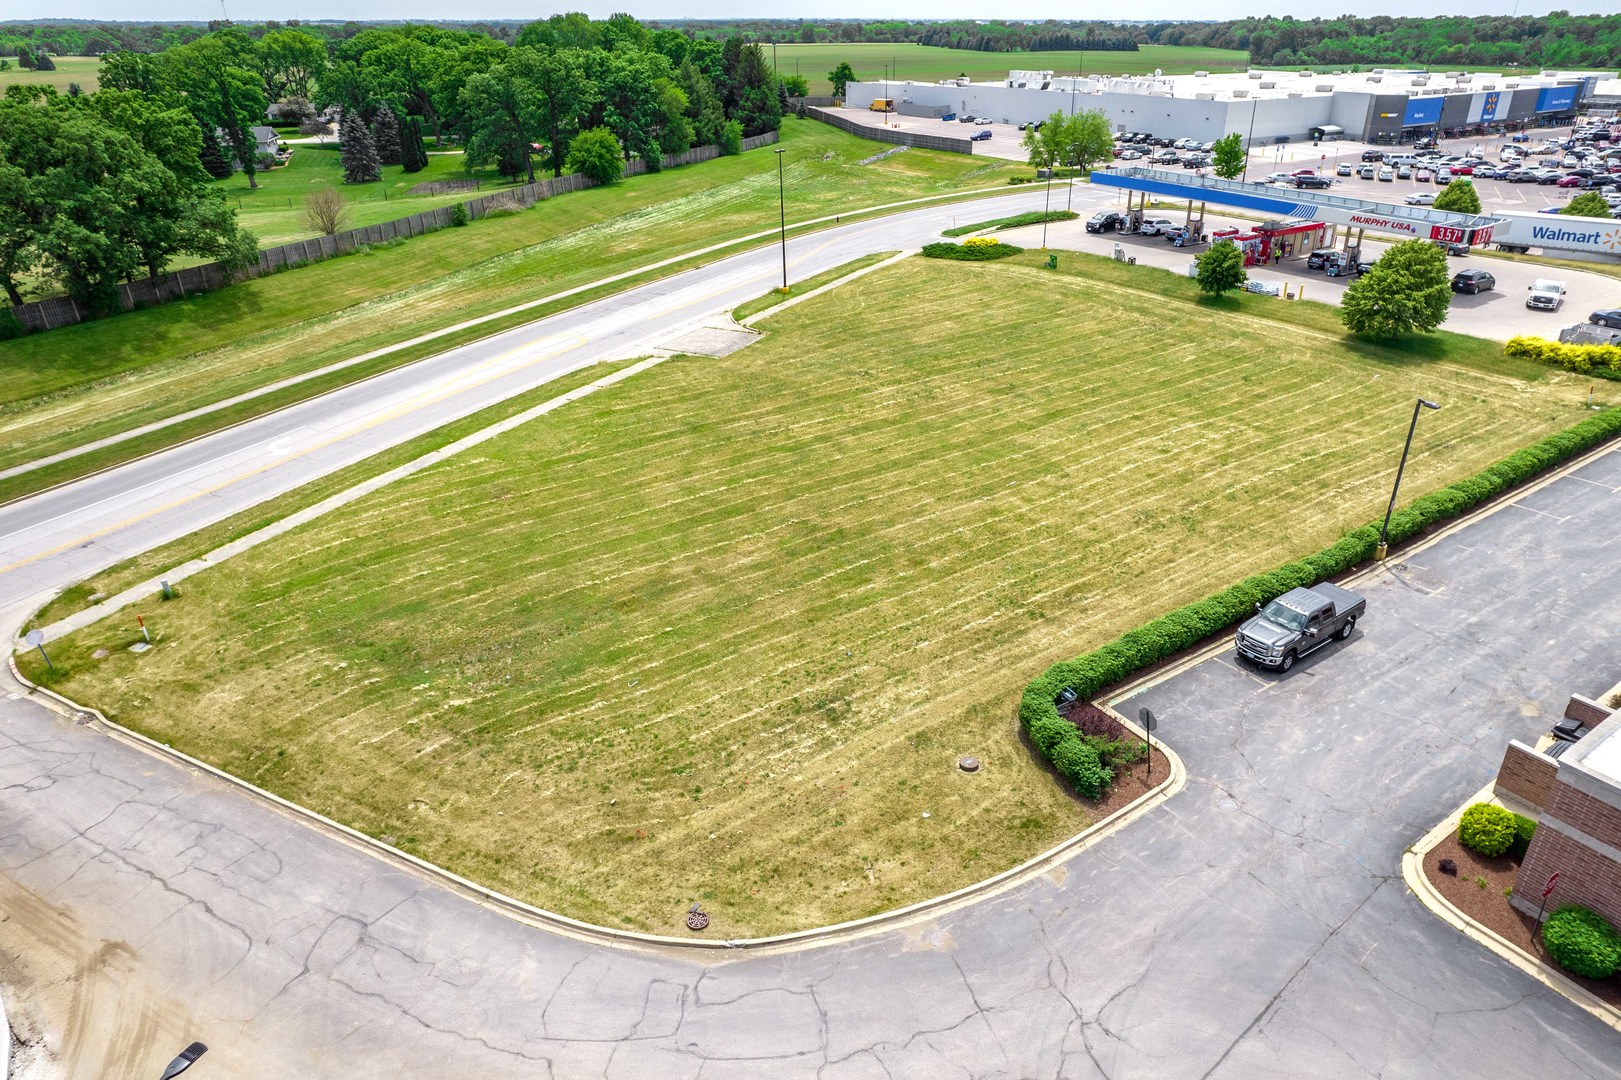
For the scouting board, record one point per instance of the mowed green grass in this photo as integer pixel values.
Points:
(84, 70)
(274, 212)
(70, 386)
(721, 632)
(928, 63)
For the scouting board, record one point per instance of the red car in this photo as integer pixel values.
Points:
(1463, 170)
(1569, 181)
(1304, 172)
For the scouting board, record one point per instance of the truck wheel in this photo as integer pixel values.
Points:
(1345, 631)
(1288, 661)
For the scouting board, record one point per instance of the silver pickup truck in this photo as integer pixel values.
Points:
(1297, 622)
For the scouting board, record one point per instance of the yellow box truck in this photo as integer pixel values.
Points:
(882, 104)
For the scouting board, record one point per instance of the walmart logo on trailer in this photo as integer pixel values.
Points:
(1610, 238)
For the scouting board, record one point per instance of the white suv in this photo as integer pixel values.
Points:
(1156, 226)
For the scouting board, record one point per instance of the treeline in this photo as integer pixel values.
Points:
(1022, 39)
(1556, 40)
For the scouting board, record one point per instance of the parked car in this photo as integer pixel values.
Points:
(1315, 260)
(1443, 178)
(1129, 155)
(1303, 172)
(1339, 264)
(1461, 169)
(965, 118)
(1473, 281)
(1421, 198)
(983, 121)
(1319, 182)
(1610, 317)
(1156, 226)
(1344, 169)
(1387, 174)
(1104, 221)
(1569, 181)
(1298, 622)
(1373, 155)
(1404, 172)
(980, 136)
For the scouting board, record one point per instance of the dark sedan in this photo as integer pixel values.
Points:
(1610, 317)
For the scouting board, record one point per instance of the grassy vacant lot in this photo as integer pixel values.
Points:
(927, 63)
(83, 70)
(275, 211)
(721, 632)
(70, 386)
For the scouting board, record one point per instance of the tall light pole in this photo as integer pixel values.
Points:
(1384, 531)
(1255, 103)
(782, 223)
(1048, 204)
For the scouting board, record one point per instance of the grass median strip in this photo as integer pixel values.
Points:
(721, 632)
(815, 281)
(1035, 217)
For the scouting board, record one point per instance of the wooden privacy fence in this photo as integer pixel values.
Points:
(890, 135)
(63, 311)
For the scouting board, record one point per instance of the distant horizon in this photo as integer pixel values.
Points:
(405, 11)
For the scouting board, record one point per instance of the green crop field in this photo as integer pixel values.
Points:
(929, 63)
(721, 632)
(70, 386)
(69, 69)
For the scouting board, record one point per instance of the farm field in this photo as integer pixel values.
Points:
(930, 63)
(79, 383)
(83, 70)
(721, 632)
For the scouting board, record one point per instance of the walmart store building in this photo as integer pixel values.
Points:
(1383, 106)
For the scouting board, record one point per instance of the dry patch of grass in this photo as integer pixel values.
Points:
(722, 631)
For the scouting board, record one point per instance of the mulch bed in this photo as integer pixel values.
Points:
(1489, 906)
(1129, 784)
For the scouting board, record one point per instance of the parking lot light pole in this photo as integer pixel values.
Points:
(1047, 206)
(782, 221)
(1384, 531)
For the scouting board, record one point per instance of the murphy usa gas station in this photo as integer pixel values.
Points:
(1296, 221)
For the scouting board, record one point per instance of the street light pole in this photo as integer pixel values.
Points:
(1255, 103)
(1048, 204)
(1384, 531)
(782, 221)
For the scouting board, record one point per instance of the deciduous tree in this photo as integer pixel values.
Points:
(595, 154)
(1227, 156)
(1587, 204)
(1220, 269)
(1460, 197)
(841, 77)
(325, 210)
(1406, 292)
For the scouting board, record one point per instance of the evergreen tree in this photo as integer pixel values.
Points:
(43, 62)
(359, 156)
(413, 152)
(386, 136)
(213, 159)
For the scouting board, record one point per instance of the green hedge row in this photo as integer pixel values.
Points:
(1059, 742)
(970, 252)
(1601, 360)
(1582, 941)
(1034, 217)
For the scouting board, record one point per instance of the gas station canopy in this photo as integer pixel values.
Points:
(1303, 206)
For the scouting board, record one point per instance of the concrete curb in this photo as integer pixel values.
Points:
(1412, 872)
(5, 1041)
(562, 924)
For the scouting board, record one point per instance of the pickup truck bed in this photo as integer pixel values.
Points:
(1298, 622)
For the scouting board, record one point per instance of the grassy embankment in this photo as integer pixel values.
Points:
(722, 631)
(928, 63)
(68, 387)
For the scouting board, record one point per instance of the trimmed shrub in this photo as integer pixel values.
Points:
(731, 138)
(1582, 941)
(1077, 761)
(10, 325)
(458, 215)
(1601, 360)
(1091, 673)
(974, 249)
(1486, 829)
(1524, 829)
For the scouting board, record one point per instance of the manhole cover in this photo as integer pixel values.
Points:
(697, 920)
(968, 764)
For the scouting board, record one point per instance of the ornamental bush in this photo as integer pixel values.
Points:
(1582, 941)
(1524, 829)
(1486, 829)
(1603, 360)
(1078, 762)
(974, 249)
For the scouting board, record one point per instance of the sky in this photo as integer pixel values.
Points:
(362, 10)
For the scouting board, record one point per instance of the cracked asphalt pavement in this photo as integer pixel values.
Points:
(1255, 925)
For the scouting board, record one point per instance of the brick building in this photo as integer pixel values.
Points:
(1576, 798)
